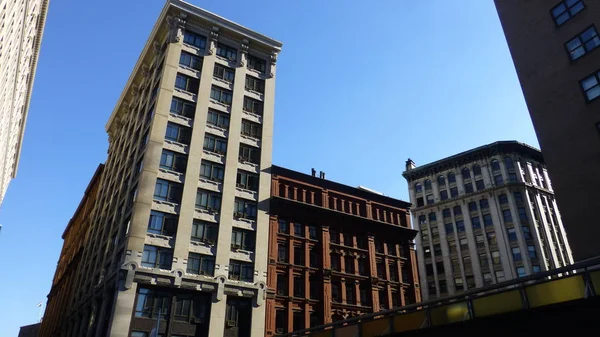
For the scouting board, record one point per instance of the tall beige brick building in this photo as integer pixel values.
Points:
(21, 28)
(180, 226)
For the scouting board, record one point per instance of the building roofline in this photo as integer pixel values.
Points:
(86, 195)
(468, 156)
(335, 186)
(33, 67)
(196, 11)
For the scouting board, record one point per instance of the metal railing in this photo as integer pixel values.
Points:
(576, 281)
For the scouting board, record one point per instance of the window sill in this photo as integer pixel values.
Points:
(220, 103)
(206, 211)
(223, 81)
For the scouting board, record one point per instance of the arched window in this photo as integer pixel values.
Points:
(451, 178)
(457, 210)
(509, 163)
(432, 216)
(418, 188)
(441, 181)
(477, 170)
(466, 173)
(427, 185)
(495, 165)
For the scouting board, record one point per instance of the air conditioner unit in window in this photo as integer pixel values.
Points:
(230, 323)
(238, 214)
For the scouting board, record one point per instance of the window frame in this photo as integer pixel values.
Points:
(249, 153)
(252, 60)
(176, 102)
(165, 221)
(251, 129)
(243, 240)
(163, 257)
(247, 180)
(596, 76)
(224, 73)
(567, 10)
(226, 52)
(187, 34)
(219, 144)
(254, 84)
(221, 95)
(217, 171)
(192, 85)
(203, 262)
(253, 103)
(204, 231)
(241, 271)
(218, 119)
(184, 57)
(213, 200)
(245, 209)
(178, 161)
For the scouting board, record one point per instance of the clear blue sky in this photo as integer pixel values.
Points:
(361, 86)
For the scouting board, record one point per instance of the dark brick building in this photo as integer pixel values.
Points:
(335, 252)
(554, 46)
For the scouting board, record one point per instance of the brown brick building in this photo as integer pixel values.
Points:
(335, 252)
(554, 46)
(65, 277)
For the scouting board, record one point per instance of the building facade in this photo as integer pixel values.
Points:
(554, 46)
(21, 28)
(30, 330)
(485, 216)
(335, 252)
(187, 170)
(75, 238)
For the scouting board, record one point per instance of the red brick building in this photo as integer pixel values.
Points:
(335, 252)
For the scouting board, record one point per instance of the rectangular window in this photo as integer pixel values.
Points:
(591, 86)
(182, 107)
(190, 309)
(257, 64)
(479, 184)
(173, 161)
(298, 229)
(460, 226)
(503, 199)
(167, 191)
(221, 95)
(162, 223)
(298, 286)
(241, 239)
(313, 258)
(208, 200)
(464, 246)
(429, 199)
(178, 133)
(312, 232)
(453, 192)
(227, 52)
(255, 84)
(565, 10)
(536, 269)
(157, 257)
(516, 252)
(521, 272)
(200, 264)
(187, 83)
(241, 271)
(512, 234)
(487, 220)
(449, 228)
(249, 154)
(526, 232)
(194, 40)
(244, 209)
(518, 196)
(224, 73)
(452, 247)
(483, 261)
(506, 215)
(253, 106)
(531, 252)
(350, 293)
(335, 262)
(468, 188)
(283, 227)
(487, 279)
(512, 177)
(483, 204)
(217, 119)
(247, 180)
(211, 171)
(215, 144)
(491, 238)
(190, 61)
(150, 302)
(500, 276)
(251, 129)
(475, 222)
(204, 232)
(480, 241)
(472, 207)
(282, 252)
(496, 257)
(522, 214)
(282, 286)
(498, 180)
(444, 195)
(459, 283)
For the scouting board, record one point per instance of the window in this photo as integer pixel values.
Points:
(457, 210)
(299, 230)
(522, 214)
(211, 171)
(383, 298)
(251, 129)
(162, 223)
(247, 180)
(298, 286)
(182, 107)
(498, 180)
(249, 154)
(444, 195)
(173, 161)
(441, 181)
(283, 227)
(379, 246)
(190, 309)
(208, 200)
(479, 185)
(253, 106)
(335, 262)
(157, 257)
(429, 198)
(536, 269)
(435, 232)
(467, 265)
(204, 232)
(241, 271)
(518, 196)
(314, 257)
(380, 269)
(591, 86)
(449, 228)
(349, 264)
(437, 249)
(167, 191)
(223, 73)
(178, 133)
(459, 283)
(190, 61)
(418, 188)
(491, 238)
(475, 222)
(487, 220)
(282, 252)
(221, 95)
(453, 192)
(512, 177)
(516, 253)
(312, 232)
(334, 236)
(348, 240)
(526, 232)
(531, 252)
(150, 302)
(464, 246)
(503, 199)
(480, 241)
(217, 119)
(495, 165)
(496, 257)
(500, 276)
(187, 83)
(420, 202)
(512, 234)
(257, 64)
(483, 204)
(336, 294)
(483, 261)
(241, 239)
(476, 170)
(451, 178)
(215, 144)
(244, 209)
(446, 213)
(432, 216)
(472, 207)
(255, 84)
(227, 52)
(200, 264)
(468, 188)
(565, 10)
(521, 272)
(194, 40)
(507, 215)
(460, 226)
(466, 174)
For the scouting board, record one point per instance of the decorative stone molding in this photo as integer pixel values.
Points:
(261, 294)
(176, 26)
(214, 37)
(145, 70)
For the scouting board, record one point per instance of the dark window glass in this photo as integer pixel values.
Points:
(257, 64)
(251, 129)
(487, 220)
(453, 192)
(512, 234)
(565, 10)
(432, 216)
(224, 73)
(531, 252)
(312, 232)
(150, 302)
(187, 83)
(227, 52)
(244, 209)
(495, 165)
(418, 188)
(472, 207)
(475, 222)
(441, 181)
(503, 199)
(591, 86)
(483, 204)
(241, 239)
(522, 214)
(255, 84)
(299, 229)
(469, 188)
(208, 200)
(527, 233)
(249, 154)
(190, 61)
(162, 223)
(443, 195)
(427, 185)
(518, 196)
(498, 180)
(212, 171)
(167, 191)
(457, 210)
(241, 271)
(200, 264)
(466, 173)
(451, 178)
(460, 226)
(253, 106)
(204, 232)
(215, 144)
(157, 257)
(516, 252)
(221, 95)
(429, 198)
(476, 170)
(283, 227)
(182, 107)
(449, 228)
(247, 180)
(194, 40)
(479, 184)
(507, 215)
(173, 161)
(218, 119)
(446, 213)
(178, 133)
(282, 252)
